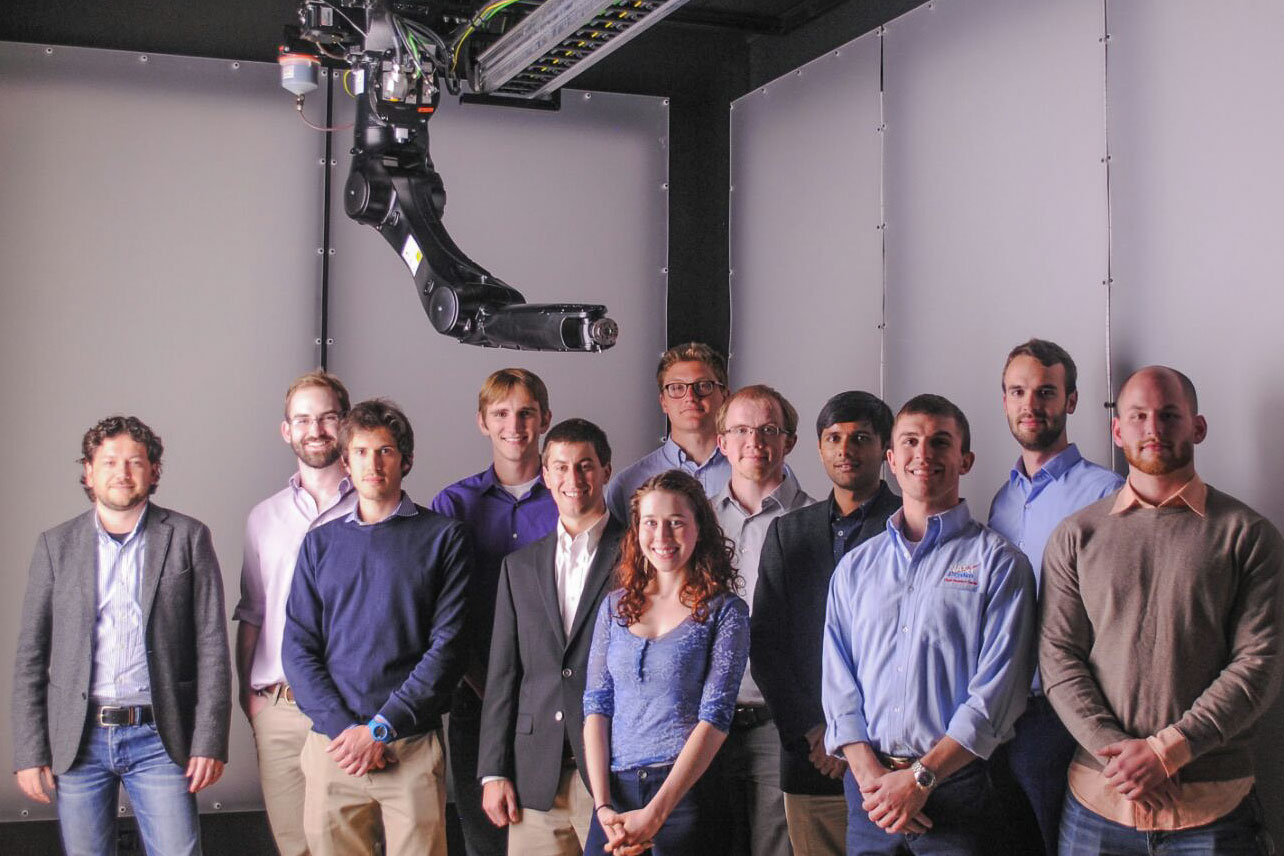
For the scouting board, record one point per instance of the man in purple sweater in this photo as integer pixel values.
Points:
(1160, 645)
(371, 651)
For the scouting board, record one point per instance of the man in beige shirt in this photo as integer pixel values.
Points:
(1160, 644)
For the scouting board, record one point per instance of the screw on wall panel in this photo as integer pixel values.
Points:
(318, 340)
(320, 251)
(1109, 405)
(838, 53)
(732, 188)
(588, 95)
(664, 185)
(48, 51)
(330, 251)
(320, 161)
(1104, 38)
(764, 90)
(798, 72)
(120, 809)
(143, 58)
(329, 341)
(24, 813)
(333, 162)
(218, 806)
(235, 66)
(665, 102)
(664, 270)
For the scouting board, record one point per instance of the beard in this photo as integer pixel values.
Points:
(1037, 441)
(317, 459)
(1169, 460)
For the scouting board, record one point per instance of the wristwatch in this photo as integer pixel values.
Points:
(923, 777)
(379, 730)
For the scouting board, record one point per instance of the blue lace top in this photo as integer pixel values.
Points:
(656, 690)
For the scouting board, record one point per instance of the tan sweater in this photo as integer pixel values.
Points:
(1157, 617)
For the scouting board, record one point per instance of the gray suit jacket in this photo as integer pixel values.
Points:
(186, 642)
(534, 699)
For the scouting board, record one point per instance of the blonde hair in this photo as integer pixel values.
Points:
(761, 392)
(502, 382)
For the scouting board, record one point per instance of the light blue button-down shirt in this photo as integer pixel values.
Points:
(713, 474)
(1026, 510)
(927, 642)
(120, 630)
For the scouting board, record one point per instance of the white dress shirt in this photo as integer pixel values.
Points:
(572, 560)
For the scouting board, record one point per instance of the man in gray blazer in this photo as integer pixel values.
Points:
(148, 704)
(532, 736)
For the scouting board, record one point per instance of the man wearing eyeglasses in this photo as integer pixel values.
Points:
(757, 427)
(317, 493)
(693, 384)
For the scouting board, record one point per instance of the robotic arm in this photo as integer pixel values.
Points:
(397, 66)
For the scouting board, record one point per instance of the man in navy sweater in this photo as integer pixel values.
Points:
(372, 651)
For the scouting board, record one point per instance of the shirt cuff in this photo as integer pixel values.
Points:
(486, 780)
(848, 728)
(1172, 747)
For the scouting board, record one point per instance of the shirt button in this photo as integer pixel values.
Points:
(557, 717)
(566, 673)
(514, 534)
(905, 629)
(641, 774)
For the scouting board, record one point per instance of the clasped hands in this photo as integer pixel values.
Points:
(357, 752)
(1137, 773)
(629, 833)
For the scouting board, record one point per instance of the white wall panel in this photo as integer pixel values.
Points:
(806, 253)
(158, 230)
(1196, 129)
(567, 206)
(996, 209)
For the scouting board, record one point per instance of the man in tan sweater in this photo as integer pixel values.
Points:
(1160, 643)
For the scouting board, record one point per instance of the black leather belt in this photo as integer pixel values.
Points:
(747, 717)
(112, 716)
(896, 762)
(277, 691)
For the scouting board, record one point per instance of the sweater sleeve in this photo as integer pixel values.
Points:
(1248, 683)
(1065, 642)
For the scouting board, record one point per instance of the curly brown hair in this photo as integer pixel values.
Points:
(710, 571)
(114, 426)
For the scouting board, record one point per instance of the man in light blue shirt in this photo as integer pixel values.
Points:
(693, 386)
(1049, 482)
(928, 652)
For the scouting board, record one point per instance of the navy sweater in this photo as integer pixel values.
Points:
(374, 619)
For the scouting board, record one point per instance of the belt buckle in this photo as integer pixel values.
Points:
(287, 693)
(109, 709)
(101, 722)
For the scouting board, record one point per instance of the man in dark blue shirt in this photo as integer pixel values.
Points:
(372, 651)
(505, 507)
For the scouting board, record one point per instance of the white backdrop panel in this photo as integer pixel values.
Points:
(158, 230)
(996, 202)
(567, 206)
(1196, 128)
(806, 253)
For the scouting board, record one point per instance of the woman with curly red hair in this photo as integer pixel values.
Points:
(668, 653)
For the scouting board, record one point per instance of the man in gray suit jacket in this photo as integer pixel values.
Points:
(532, 735)
(854, 431)
(148, 704)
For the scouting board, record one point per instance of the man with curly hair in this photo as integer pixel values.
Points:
(148, 704)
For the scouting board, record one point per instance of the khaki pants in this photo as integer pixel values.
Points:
(341, 813)
(560, 831)
(817, 824)
(280, 730)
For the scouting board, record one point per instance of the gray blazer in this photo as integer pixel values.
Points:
(534, 701)
(187, 657)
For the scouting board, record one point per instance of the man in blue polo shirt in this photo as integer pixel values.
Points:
(928, 651)
(1049, 482)
(504, 507)
(372, 651)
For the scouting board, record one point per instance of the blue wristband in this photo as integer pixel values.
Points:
(380, 730)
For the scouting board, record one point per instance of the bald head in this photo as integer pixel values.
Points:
(1163, 376)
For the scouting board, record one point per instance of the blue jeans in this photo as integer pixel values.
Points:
(959, 809)
(1240, 833)
(684, 831)
(131, 755)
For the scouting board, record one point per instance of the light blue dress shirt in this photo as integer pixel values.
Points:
(921, 643)
(120, 629)
(713, 474)
(1026, 510)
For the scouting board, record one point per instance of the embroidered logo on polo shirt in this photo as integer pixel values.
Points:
(961, 576)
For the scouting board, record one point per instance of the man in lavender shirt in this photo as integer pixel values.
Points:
(505, 507)
(317, 493)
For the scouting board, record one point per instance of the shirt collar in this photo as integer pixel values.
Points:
(836, 514)
(591, 536)
(1055, 468)
(674, 453)
(405, 508)
(138, 526)
(940, 527)
(1193, 495)
(345, 486)
(783, 496)
(490, 483)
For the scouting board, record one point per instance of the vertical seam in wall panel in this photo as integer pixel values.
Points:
(1110, 277)
(882, 220)
(731, 215)
(323, 335)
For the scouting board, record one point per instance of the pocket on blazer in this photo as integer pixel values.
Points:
(172, 576)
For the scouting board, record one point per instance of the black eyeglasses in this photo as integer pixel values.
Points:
(701, 388)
